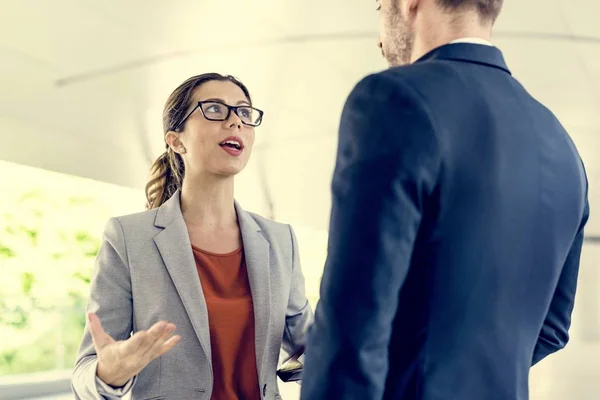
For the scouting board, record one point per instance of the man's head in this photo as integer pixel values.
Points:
(402, 21)
(488, 10)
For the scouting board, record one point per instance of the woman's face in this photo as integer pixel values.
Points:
(216, 147)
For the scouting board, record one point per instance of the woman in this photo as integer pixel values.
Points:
(229, 282)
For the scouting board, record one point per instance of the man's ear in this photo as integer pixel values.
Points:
(409, 8)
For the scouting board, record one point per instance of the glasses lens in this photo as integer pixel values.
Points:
(216, 111)
(249, 115)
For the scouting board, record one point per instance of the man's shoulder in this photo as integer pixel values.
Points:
(386, 108)
(410, 73)
(397, 91)
(411, 82)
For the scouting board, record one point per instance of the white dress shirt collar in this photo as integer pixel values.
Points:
(473, 40)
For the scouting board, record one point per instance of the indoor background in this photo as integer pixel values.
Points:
(82, 86)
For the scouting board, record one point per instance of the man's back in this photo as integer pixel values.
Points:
(496, 234)
(478, 233)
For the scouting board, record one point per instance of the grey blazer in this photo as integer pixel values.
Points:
(145, 272)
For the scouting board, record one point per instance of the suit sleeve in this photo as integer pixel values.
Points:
(299, 315)
(110, 298)
(386, 167)
(554, 334)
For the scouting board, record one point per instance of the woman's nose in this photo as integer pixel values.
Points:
(234, 120)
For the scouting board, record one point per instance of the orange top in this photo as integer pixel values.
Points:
(224, 280)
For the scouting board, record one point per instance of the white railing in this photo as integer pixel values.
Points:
(38, 384)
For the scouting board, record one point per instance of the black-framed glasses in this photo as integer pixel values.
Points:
(217, 111)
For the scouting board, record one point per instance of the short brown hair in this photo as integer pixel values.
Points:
(488, 9)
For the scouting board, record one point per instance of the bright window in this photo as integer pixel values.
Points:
(50, 230)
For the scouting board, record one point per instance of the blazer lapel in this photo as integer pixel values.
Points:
(176, 251)
(256, 251)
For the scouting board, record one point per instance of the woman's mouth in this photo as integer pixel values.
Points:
(233, 146)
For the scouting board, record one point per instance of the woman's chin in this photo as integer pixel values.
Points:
(228, 171)
(226, 168)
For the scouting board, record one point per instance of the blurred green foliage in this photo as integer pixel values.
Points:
(50, 232)
(46, 259)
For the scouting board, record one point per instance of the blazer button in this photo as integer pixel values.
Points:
(265, 390)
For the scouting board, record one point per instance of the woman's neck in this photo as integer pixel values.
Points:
(207, 202)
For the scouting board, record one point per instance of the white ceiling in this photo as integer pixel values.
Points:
(83, 82)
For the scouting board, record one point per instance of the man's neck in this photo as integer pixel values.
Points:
(448, 31)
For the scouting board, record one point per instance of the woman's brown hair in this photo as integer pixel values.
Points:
(167, 172)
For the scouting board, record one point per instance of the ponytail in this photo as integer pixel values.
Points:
(166, 176)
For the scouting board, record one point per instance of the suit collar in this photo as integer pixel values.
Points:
(474, 40)
(256, 253)
(171, 211)
(174, 245)
(246, 220)
(468, 52)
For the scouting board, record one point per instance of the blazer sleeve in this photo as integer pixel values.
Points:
(386, 169)
(554, 334)
(299, 314)
(110, 298)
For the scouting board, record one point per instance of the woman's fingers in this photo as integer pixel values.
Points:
(153, 351)
(169, 344)
(99, 336)
(141, 342)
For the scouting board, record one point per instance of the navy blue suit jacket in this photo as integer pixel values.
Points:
(459, 203)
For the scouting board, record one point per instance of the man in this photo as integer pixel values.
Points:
(459, 204)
